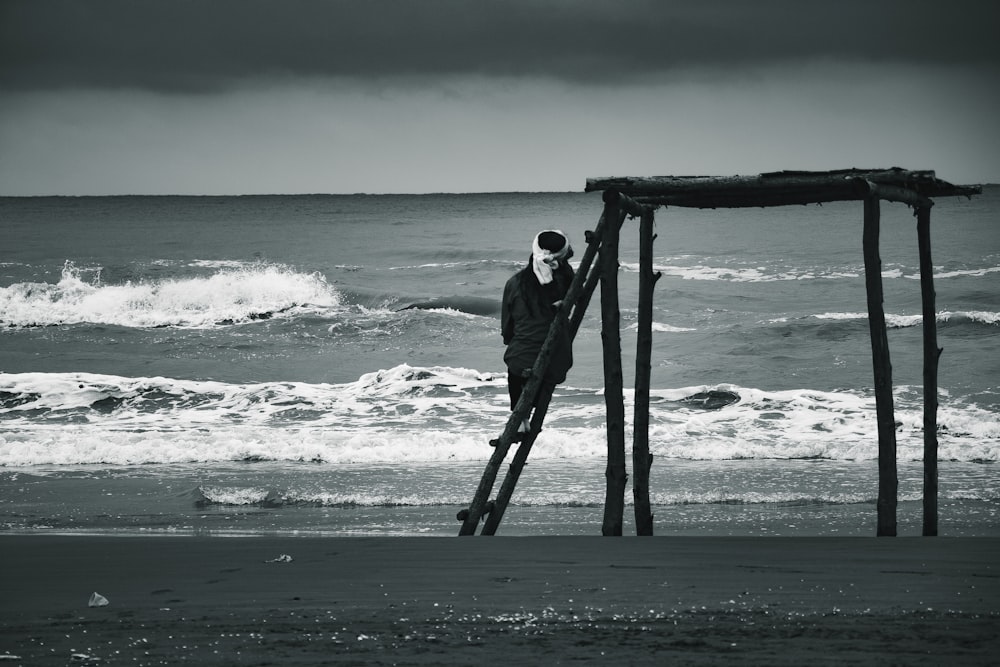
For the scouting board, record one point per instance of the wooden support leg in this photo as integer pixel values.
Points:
(642, 460)
(887, 478)
(932, 354)
(614, 503)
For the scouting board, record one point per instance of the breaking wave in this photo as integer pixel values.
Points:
(233, 293)
(413, 414)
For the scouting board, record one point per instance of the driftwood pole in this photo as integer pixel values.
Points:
(642, 460)
(614, 500)
(887, 479)
(932, 354)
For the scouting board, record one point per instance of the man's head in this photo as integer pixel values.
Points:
(548, 249)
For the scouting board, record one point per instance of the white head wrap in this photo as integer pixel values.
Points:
(544, 261)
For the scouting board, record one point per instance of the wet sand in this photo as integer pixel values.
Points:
(509, 600)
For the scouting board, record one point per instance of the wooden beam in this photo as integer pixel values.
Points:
(642, 460)
(882, 367)
(932, 354)
(894, 193)
(773, 189)
(614, 502)
(625, 203)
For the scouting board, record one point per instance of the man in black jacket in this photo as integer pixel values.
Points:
(531, 299)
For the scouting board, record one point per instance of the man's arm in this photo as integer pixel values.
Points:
(506, 314)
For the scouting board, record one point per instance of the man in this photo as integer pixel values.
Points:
(531, 299)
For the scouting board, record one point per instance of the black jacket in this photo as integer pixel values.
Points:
(526, 314)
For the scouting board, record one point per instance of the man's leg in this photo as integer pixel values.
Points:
(515, 387)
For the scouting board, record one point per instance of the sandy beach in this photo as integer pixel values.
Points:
(530, 600)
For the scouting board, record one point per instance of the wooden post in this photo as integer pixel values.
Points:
(932, 353)
(882, 367)
(642, 460)
(614, 501)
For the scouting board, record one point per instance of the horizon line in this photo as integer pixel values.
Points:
(339, 194)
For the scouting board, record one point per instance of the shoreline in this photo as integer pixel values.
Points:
(534, 600)
(765, 498)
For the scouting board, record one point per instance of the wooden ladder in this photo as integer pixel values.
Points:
(570, 314)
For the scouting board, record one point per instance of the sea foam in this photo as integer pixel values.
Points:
(741, 273)
(896, 321)
(433, 414)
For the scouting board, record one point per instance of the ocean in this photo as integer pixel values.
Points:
(332, 365)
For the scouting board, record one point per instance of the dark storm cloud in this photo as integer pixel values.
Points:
(204, 45)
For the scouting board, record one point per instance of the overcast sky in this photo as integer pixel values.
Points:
(292, 96)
